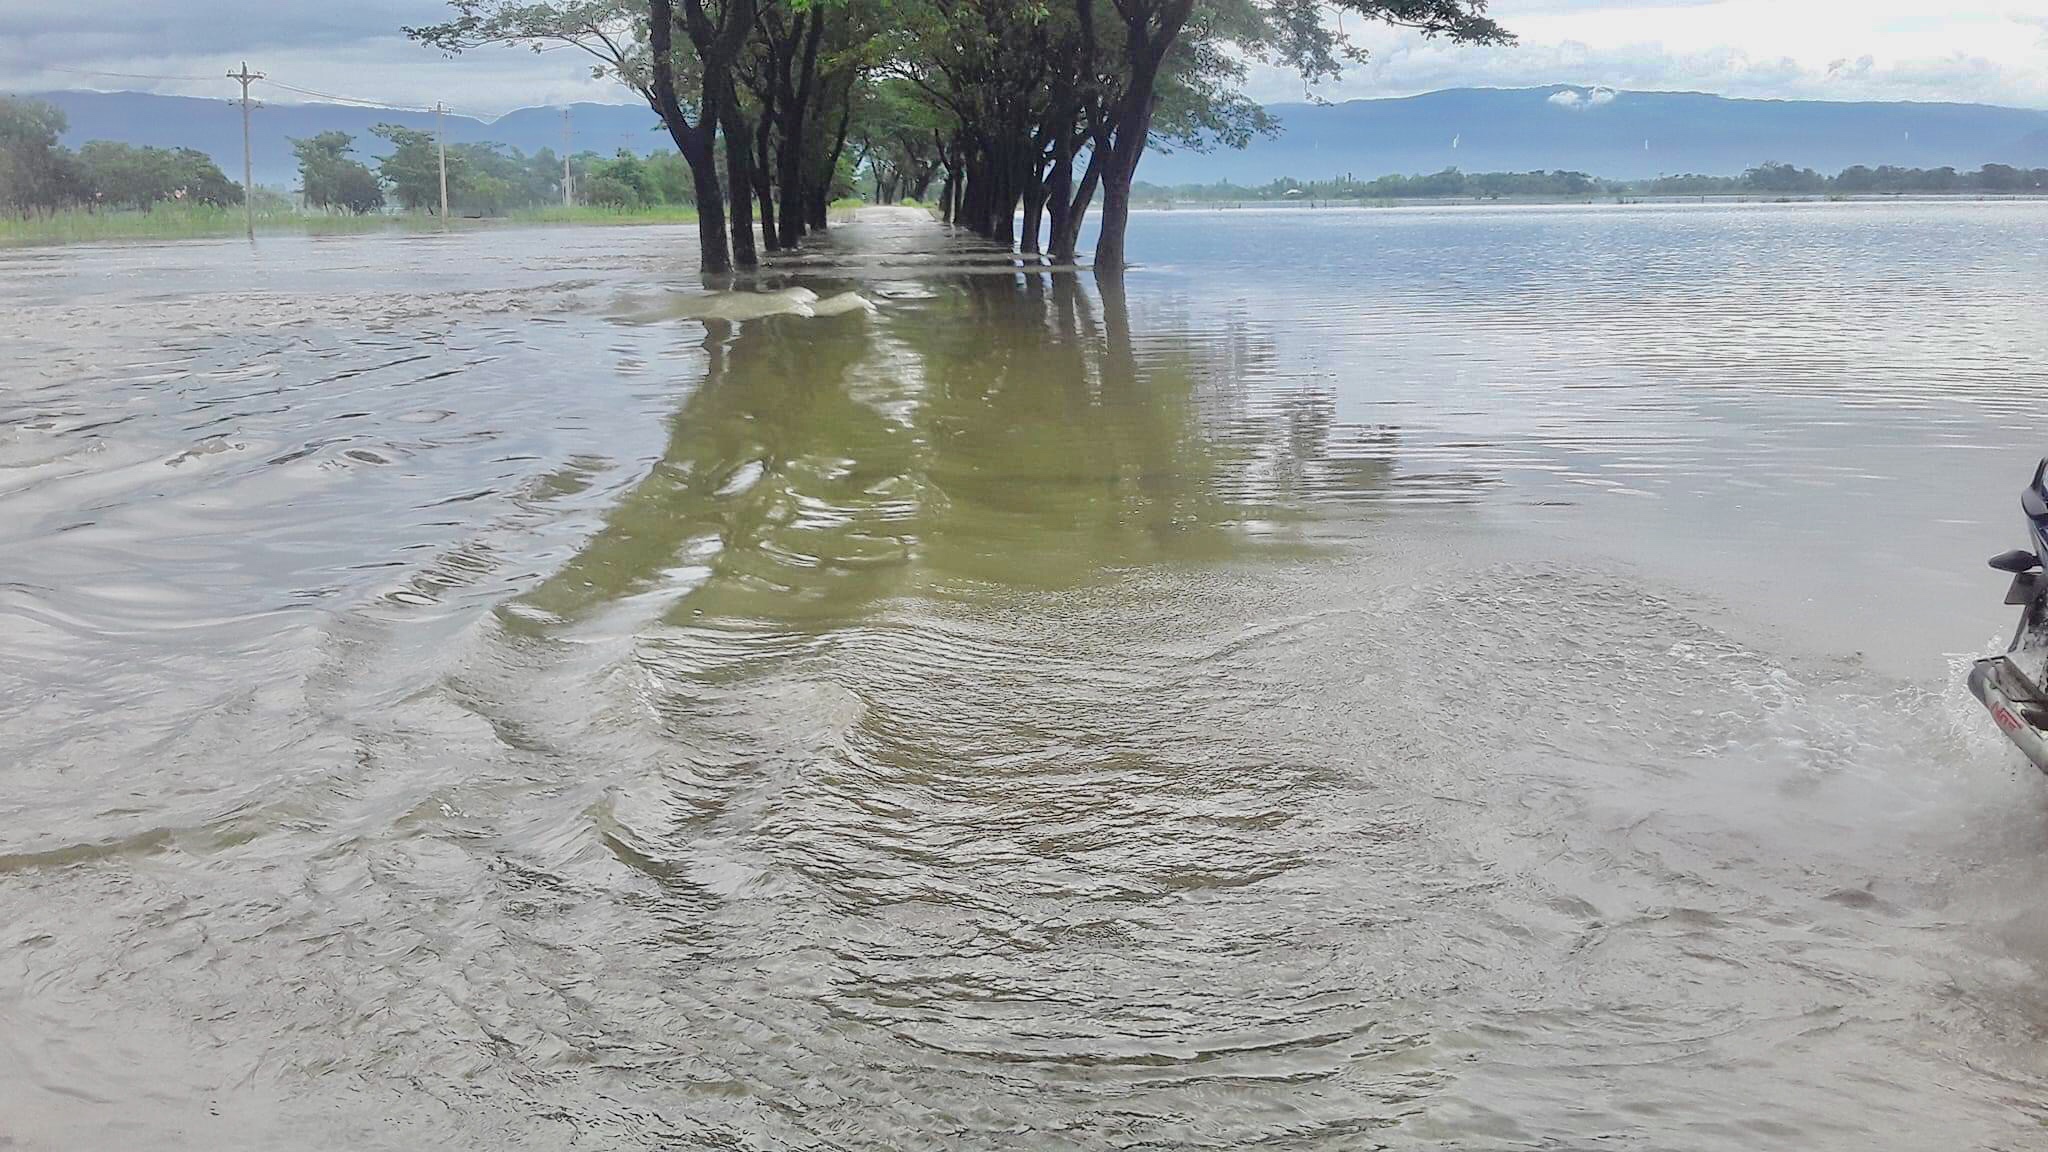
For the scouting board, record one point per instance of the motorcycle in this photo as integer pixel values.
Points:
(2010, 686)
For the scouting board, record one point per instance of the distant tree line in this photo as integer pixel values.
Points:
(484, 179)
(1763, 180)
(38, 175)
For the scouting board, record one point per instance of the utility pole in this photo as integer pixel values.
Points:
(441, 146)
(248, 165)
(568, 199)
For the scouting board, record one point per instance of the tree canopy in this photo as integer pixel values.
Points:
(330, 178)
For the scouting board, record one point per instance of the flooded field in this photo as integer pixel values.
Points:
(1477, 679)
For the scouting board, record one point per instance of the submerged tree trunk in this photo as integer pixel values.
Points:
(739, 171)
(692, 140)
(1066, 237)
(1034, 216)
(764, 131)
(711, 236)
(796, 104)
(828, 168)
(1119, 169)
(1122, 137)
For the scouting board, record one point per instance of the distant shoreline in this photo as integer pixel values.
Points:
(1304, 204)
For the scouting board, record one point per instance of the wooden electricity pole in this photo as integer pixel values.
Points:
(441, 146)
(248, 165)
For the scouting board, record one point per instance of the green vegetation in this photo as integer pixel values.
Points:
(78, 225)
(331, 179)
(184, 221)
(1770, 180)
(605, 214)
(38, 175)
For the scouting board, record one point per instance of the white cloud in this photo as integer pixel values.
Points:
(1991, 51)
(1965, 50)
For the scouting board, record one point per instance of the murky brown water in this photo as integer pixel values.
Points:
(1418, 679)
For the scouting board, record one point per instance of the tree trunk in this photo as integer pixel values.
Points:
(764, 191)
(1120, 168)
(821, 205)
(739, 171)
(1116, 221)
(1059, 195)
(717, 258)
(694, 141)
(789, 174)
(1034, 216)
(1066, 238)
(796, 103)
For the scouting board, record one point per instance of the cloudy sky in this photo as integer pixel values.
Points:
(1993, 51)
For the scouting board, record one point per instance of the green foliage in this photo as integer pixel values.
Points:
(497, 179)
(601, 214)
(35, 174)
(620, 182)
(413, 169)
(126, 176)
(331, 178)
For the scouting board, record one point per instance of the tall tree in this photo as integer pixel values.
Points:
(413, 169)
(331, 178)
(1291, 32)
(35, 173)
(635, 43)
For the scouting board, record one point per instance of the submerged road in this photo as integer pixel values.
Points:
(482, 691)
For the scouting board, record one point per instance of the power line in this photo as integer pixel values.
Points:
(119, 75)
(345, 99)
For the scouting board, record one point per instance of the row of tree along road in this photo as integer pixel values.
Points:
(1017, 110)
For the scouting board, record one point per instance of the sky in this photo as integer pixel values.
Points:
(1988, 51)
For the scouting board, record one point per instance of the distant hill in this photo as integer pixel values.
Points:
(215, 127)
(1622, 135)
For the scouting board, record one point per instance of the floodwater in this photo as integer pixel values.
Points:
(1476, 679)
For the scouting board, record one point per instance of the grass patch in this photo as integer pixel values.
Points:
(599, 214)
(196, 221)
(185, 222)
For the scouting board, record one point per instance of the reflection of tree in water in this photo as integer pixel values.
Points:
(1008, 431)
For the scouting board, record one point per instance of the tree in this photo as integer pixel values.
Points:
(35, 173)
(413, 169)
(1784, 179)
(126, 176)
(634, 42)
(330, 178)
(899, 139)
(1145, 34)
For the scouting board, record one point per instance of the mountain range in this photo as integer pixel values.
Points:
(1620, 135)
